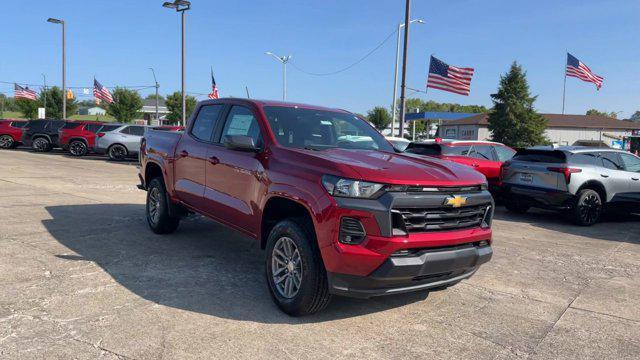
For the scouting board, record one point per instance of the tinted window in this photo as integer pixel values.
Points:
(424, 149)
(504, 153)
(55, 125)
(611, 160)
(631, 163)
(482, 152)
(585, 159)
(36, 125)
(205, 122)
(544, 156)
(322, 129)
(71, 125)
(107, 128)
(456, 150)
(133, 130)
(18, 124)
(93, 127)
(241, 121)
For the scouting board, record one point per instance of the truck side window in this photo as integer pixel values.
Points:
(241, 121)
(205, 122)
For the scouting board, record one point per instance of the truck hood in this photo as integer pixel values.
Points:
(389, 168)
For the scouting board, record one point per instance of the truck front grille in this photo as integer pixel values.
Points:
(412, 220)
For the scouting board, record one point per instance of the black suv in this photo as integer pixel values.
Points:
(42, 135)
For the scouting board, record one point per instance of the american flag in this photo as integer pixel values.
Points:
(577, 69)
(101, 92)
(214, 89)
(449, 78)
(23, 92)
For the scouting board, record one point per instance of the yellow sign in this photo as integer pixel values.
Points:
(455, 201)
(69, 94)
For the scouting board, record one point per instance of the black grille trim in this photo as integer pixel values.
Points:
(435, 219)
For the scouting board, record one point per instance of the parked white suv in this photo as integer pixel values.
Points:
(121, 142)
(582, 180)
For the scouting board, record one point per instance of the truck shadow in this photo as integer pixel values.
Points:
(203, 267)
(612, 227)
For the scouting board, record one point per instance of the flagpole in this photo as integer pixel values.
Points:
(564, 87)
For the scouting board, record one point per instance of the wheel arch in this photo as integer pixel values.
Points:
(79, 139)
(278, 208)
(596, 186)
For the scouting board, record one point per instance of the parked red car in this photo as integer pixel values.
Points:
(10, 133)
(79, 137)
(486, 157)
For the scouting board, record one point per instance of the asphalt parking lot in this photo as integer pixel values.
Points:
(82, 277)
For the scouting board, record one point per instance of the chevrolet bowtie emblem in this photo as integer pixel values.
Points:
(455, 201)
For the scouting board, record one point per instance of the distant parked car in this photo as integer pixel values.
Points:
(120, 143)
(11, 133)
(42, 135)
(485, 156)
(398, 143)
(580, 180)
(79, 137)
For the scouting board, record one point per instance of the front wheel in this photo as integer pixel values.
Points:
(157, 209)
(41, 145)
(78, 148)
(588, 208)
(6, 142)
(294, 269)
(117, 152)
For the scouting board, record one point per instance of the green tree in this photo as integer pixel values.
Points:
(635, 116)
(125, 106)
(421, 128)
(174, 105)
(513, 119)
(414, 103)
(596, 112)
(153, 97)
(28, 108)
(54, 103)
(379, 117)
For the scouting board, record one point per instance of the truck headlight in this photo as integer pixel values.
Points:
(340, 187)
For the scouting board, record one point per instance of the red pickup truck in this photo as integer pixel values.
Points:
(337, 209)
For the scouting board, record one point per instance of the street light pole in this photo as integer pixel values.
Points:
(284, 60)
(395, 75)
(157, 87)
(44, 95)
(64, 68)
(181, 6)
(405, 54)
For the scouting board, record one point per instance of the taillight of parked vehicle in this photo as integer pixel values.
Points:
(566, 171)
(100, 134)
(503, 171)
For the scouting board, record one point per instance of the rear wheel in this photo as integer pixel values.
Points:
(516, 205)
(78, 148)
(588, 208)
(117, 152)
(41, 144)
(6, 142)
(295, 273)
(157, 209)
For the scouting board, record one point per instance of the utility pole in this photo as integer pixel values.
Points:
(405, 53)
(181, 6)
(64, 68)
(44, 95)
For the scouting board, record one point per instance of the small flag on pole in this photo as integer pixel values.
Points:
(577, 69)
(23, 92)
(449, 78)
(214, 89)
(101, 92)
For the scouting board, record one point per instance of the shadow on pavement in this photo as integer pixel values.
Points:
(90, 156)
(612, 227)
(203, 267)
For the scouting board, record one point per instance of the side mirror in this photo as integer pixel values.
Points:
(240, 143)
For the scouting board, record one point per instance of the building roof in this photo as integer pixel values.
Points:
(563, 121)
(437, 115)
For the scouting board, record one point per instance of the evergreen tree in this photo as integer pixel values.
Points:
(28, 108)
(513, 120)
(54, 103)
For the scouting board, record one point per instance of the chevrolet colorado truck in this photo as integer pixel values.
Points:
(337, 209)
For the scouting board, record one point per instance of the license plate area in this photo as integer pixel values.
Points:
(527, 178)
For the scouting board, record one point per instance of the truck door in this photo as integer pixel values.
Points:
(191, 156)
(235, 179)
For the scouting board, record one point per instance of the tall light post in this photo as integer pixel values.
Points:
(395, 74)
(405, 55)
(64, 71)
(44, 94)
(181, 6)
(284, 60)
(157, 87)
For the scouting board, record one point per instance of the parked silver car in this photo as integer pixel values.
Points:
(121, 142)
(583, 181)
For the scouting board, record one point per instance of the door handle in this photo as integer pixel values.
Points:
(214, 160)
(184, 153)
(604, 175)
(635, 179)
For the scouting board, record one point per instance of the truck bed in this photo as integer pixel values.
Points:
(160, 143)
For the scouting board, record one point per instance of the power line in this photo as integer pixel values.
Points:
(139, 87)
(350, 66)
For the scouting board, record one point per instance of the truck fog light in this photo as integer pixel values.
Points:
(351, 231)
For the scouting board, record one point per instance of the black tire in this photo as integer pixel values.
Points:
(6, 142)
(157, 209)
(78, 148)
(516, 206)
(41, 144)
(312, 294)
(588, 208)
(117, 152)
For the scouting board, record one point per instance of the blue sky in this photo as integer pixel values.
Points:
(118, 40)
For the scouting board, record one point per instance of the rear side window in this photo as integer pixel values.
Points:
(18, 124)
(543, 156)
(133, 130)
(482, 152)
(611, 160)
(107, 128)
(205, 122)
(424, 149)
(631, 163)
(504, 153)
(93, 127)
(71, 125)
(36, 125)
(456, 150)
(585, 159)
(55, 125)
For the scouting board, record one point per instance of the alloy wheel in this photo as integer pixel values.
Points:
(117, 152)
(77, 148)
(590, 208)
(154, 204)
(6, 142)
(286, 267)
(40, 144)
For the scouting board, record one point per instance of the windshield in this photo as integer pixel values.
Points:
(320, 129)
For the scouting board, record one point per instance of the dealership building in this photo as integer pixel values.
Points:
(587, 130)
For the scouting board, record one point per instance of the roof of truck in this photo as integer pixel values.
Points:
(273, 103)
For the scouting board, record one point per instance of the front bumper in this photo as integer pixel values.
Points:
(426, 269)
